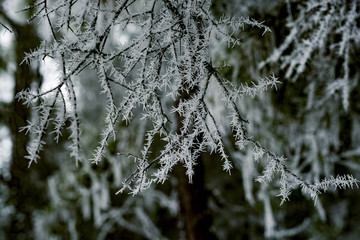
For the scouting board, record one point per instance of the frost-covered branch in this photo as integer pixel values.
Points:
(162, 72)
(320, 27)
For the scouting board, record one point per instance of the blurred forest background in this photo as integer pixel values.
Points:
(313, 119)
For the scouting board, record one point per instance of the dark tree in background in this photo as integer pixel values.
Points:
(26, 188)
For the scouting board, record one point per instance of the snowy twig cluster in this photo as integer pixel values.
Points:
(319, 28)
(164, 69)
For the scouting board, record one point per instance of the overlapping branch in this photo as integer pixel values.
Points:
(166, 62)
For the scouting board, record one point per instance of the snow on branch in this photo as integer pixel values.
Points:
(165, 62)
(321, 27)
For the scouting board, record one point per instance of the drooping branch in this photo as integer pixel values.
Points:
(163, 72)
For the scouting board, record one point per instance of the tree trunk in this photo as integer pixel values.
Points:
(193, 199)
(26, 186)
